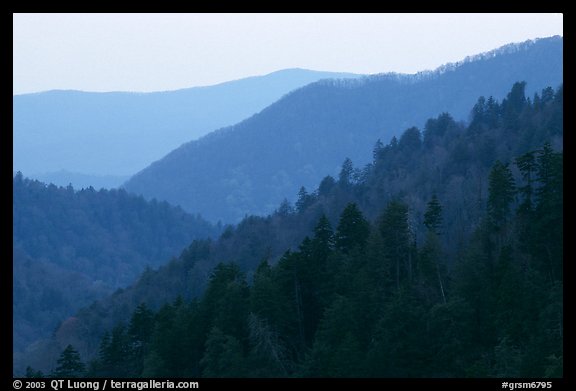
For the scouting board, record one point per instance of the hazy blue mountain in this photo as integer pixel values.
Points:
(113, 134)
(250, 167)
(82, 181)
(449, 160)
(72, 247)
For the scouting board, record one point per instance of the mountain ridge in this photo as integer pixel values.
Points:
(71, 247)
(448, 162)
(199, 87)
(119, 133)
(308, 133)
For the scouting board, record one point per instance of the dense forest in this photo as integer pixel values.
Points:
(248, 168)
(73, 247)
(441, 258)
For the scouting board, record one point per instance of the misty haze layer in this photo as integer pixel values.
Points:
(99, 139)
(251, 167)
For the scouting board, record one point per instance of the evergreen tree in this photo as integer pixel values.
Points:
(289, 281)
(501, 193)
(430, 266)
(410, 141)
(223, 357)
(113, 354)
(285, 208)
(396, 234)
(303, 201)
(549, 175)
(320, 273)
(400, 347)
(326, 185)
(478, 114)
(527, 166)
(346, 173)
(323, 235)
(225, 303)
(353, 229)
(431, 254)
(337, 351)
(141, 325)
(436, 129)
(265, 298)
(369, 301)
(139, 334)
(171, 353)
(69, 364)
(549, 213)
(433, 215)
(377, 151)
(31, 373)
(378, 272)
(515, 100)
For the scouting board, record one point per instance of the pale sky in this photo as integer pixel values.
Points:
(155, 52)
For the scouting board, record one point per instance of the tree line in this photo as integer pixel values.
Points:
(441, 258)
(365, 300)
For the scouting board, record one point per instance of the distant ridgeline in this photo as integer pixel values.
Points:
(440, 258)
(249, 168)
(73, 247)
(100, 138)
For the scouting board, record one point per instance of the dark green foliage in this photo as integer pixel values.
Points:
(365, 301)
(226, 300)
(433, 215)
(400, 348)
(323, 234)
(73, 247)
(527, 166)
(431, 268)
(491, 321)
(396, 236)
(31, 373)
(501, 190)
(268, 354)
(139, 334)
(387, 295)
(543, 238)
(69, 364)
(223, 357)
(114, 358)
(337, 351)
(352, 231)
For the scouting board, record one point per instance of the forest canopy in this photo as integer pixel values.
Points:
(441, 258)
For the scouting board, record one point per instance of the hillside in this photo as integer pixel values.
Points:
(73, 247)
(249, 168)
(77, 137)
(410, 240)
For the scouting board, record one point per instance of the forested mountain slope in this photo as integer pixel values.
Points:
(91, 138)
(73, 247)
(250, 167)
(443, 257)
